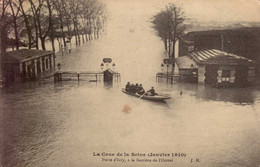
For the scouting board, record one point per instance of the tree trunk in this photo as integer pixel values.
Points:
(86, 37)
(28, 29)
(36, 33)
(79, 39)
(173, 55)
(169, 48)
(15, 27)
(51, 27)
(165, 43)
(43, 43)
(83, 39)
(16, 35)
(3, 33)
(68, 27)
(75, 34)
(35, 24)
(62, 31)
(173, 49)
(3, 39)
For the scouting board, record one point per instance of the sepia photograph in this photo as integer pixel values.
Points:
(130, 83)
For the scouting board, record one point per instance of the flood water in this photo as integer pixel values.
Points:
(47, 124)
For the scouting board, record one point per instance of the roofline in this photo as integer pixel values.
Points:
(231, 64)
(34, 57)
(43, 53)
(204, 62)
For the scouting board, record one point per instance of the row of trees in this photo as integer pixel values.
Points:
(35, 21)
(169, 25)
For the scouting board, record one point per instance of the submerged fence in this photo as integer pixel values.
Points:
(84, 76)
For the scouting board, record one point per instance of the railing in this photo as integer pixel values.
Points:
(83, 75)
(160, 77)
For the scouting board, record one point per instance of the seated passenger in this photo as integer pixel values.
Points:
(141, 90)
(127, 87)
(132, 88)
(136, 88)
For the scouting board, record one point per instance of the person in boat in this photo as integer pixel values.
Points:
(132, 88)
(141, 90)
(136, 88)
(127, 87)
(151, 92)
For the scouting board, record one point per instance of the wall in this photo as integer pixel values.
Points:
(35, 70)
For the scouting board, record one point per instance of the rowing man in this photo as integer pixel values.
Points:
(151, 92)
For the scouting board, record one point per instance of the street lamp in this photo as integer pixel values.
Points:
(167, 72)
(113, 66)
(59, 66)
(162, 66)
(167, 66)
(102, 66)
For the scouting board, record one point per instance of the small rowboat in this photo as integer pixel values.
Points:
(153, 98)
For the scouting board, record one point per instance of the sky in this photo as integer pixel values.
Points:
(200, 10)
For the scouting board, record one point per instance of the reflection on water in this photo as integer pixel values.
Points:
(43, 124)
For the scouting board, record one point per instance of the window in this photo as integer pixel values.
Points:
(225, 75)
(43, 64)
(50, 62)
(47, 64)
(24, 68)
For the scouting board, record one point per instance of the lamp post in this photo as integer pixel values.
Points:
(102, 66)
(167, 67)
(192, 69)
(61, 30)
(167, 72)
(59, 66)
(162, 66)
(113, 66)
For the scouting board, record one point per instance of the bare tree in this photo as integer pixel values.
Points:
(42, 19)
(27, 23)
(169, 25)
(15, 10)
(3, 25)
(57, 4)
(45, 18)
(161, 25)
(51, 26)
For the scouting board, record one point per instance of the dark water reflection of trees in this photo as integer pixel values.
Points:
(233, 95)
(240, 96)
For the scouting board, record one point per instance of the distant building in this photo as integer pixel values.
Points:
(217, 68)
(26, 64)
(186, 46)
(240, 41)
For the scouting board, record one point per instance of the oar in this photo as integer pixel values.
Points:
(142, 95)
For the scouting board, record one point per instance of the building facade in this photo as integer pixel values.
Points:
(244, 42)
(221, 69)
(26, 64)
